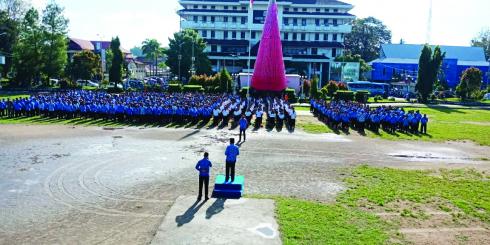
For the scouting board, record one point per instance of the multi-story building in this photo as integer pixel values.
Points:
(312, 31)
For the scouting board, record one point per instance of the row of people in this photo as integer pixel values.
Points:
(343, 115)
(153, 108)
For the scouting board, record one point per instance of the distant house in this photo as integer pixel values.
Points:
(137, 70)
(403, 59)
(76, 45)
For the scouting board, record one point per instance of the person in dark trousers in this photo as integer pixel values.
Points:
(231, 153)
(203, 166)
(243, 127)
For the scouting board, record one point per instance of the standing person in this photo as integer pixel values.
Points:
(292, 122)
(423, 124)
(203, 166)
(243, 127)
(231, 153)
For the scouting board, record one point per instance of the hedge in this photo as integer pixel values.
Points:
(193, 88)
(174, 88)
(362, 96)
(344, 95)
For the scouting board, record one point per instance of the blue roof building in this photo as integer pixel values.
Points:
(403, 59)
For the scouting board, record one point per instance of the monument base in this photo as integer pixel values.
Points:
(230, 190)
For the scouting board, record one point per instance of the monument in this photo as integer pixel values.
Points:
(269, 72)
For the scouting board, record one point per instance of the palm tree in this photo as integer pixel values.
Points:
(151, 48)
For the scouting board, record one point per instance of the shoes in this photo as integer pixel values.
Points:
(207, 198)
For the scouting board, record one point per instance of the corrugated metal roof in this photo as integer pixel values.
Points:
(80, 44)
(412, 51)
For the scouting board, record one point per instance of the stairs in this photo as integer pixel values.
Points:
(228, 190)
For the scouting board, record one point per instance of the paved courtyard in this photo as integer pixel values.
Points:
(71, 185)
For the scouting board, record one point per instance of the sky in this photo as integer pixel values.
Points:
(454, 22)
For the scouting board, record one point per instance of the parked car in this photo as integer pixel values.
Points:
(119, 85)
(486, 96)
(87, 83)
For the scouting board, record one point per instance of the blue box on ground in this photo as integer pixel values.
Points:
(228, 190)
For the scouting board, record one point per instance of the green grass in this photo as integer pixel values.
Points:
(306, 222)
(313, 127)
(12, 97)
(466, 189)
(449, 125)
(302, 108)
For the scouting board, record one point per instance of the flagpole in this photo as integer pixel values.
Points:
(250, 21)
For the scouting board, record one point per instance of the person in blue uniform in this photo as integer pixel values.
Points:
(231, 153)
(243, 128)
(204, 166)
(423, 124)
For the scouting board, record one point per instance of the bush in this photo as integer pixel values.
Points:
(392, 99)
(174, 88)
(175, 82)
(291, 93)
(330, 88)
(314, 88)
(113, 90)
(344, 95)
(193, 88)
(362, 96)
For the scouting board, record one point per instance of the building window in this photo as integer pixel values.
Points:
(214, 48)
(335, 22)
(213, 34)
(317, 36)
(213, 7)
(244, 20)
(286, 9)
(295, 22)
(286, 36)
(226, 7)
(335, 37)
(195, 18)
(212, 19)
(303, 22)
(235, 8)
(305, 10)
(295, 36)
(317, 22)
(325, 37)
(204, 19)
(196, 6)
(254, 35)
(225, 19)
(314, 51)
(286, 21)
(234, 20)
(204, 33)
(335, 10)
(225, 34)
(303, 37)
(242, 35)
(244, 8)
(325, 22)
(295, 10)
(233, 35)
(204, 6)
(334, 52)
(318, 10)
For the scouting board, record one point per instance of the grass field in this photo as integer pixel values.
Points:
(449, 124)
(11, 97)
(348, 221)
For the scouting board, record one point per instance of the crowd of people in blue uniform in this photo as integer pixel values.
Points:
(342, 115)
(159, 108)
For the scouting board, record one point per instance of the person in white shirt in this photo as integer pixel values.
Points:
(258, 118)
(292, 122)
(271, 119)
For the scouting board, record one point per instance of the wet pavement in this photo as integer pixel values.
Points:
(72, 185)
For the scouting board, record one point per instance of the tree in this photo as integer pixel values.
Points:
(27, 52)
(85, 65)
(366, 38)
(348, 57)
(182, 45)
(11, 14)
(15, 9)
(225, 80)
(54, 27)
(483, 40)
(152, 50)
(470, 84)
(314, 88)
(429, 66)
(116, 68)
(331, 88)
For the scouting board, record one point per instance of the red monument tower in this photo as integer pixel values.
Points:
(269, 73)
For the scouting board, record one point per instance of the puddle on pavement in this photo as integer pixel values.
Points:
(428, 156)
(265, 230)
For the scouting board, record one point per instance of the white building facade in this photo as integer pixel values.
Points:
(312, 31)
